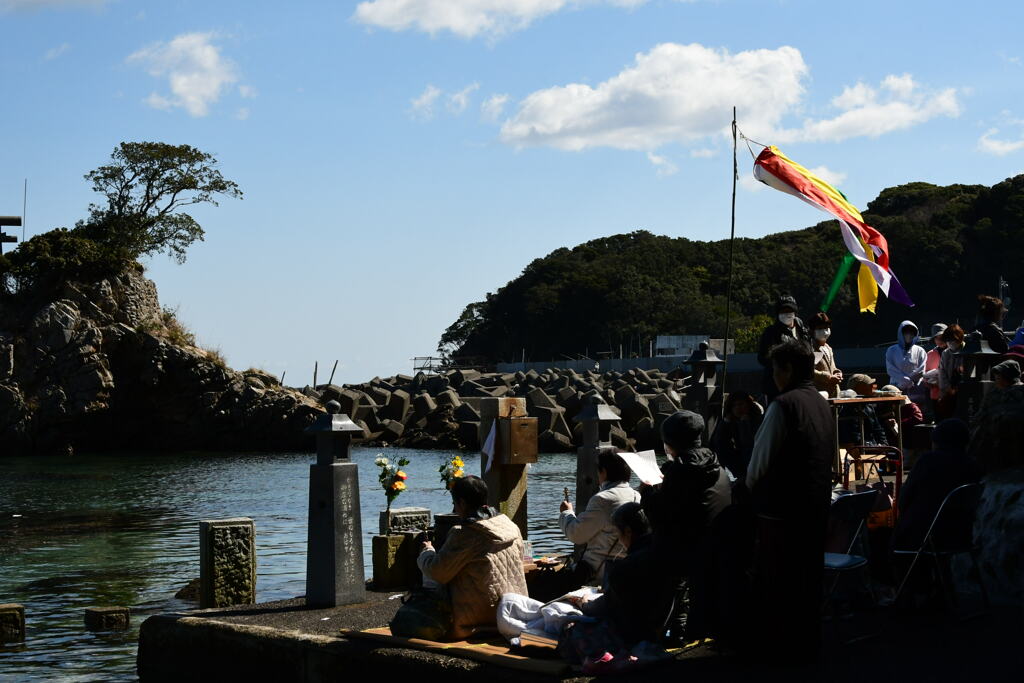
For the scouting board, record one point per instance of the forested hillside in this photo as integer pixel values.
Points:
(947, 244)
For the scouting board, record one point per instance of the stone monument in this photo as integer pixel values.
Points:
(334, 557)
(227, 562)
(597, 419)
(705, 395)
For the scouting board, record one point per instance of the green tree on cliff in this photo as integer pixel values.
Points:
(146, 185)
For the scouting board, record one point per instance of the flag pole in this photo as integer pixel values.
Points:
(732, 242)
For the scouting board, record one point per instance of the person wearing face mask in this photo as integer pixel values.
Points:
(949, 371)
(905, 362)
(827, 377)
(786, 326)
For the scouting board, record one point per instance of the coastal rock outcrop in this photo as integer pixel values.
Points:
(100, 366)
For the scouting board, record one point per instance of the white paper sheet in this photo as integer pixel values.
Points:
(644, 466)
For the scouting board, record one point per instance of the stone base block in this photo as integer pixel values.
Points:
(107, 618)
(404, 519)
(394, 561)
(12, 623)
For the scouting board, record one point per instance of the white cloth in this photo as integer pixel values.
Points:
(518, 613)
(767, 443)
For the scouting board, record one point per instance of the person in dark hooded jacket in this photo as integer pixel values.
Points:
(695, 490)
(786, 326)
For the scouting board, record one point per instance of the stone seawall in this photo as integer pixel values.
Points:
(443, 411)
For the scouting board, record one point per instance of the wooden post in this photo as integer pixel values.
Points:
(506, 484)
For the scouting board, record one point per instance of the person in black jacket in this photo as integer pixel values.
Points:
(786, 326)
(789, 479)
(694, 492)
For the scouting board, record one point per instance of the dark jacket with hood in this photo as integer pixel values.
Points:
(775, 334)
(695, 490)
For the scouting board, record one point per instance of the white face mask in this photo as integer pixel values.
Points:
(787, 319)
(822, 334)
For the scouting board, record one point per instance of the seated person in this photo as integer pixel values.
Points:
(910, 414)
(638, 595)
(733, 440)
(481, 559)
(594, 526)
(850, 429)
(935, 474)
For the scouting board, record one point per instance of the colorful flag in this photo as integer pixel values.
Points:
(864, 243)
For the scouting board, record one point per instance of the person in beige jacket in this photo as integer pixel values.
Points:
(481, 560)
(593, 527)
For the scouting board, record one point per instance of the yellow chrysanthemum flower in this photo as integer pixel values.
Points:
(398, 486)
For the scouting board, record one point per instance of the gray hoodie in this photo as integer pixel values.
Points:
(905, 362)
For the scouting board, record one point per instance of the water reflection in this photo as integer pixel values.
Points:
(123, 530)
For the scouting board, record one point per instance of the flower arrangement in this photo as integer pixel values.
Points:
(391, 477)
(451, 470)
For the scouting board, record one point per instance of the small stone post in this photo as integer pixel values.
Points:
(334, 555)
(12, 623)
(227, 562)
(705, 396)
(506, 484)
(107, 618)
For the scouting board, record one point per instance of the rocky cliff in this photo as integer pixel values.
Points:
(97, 367)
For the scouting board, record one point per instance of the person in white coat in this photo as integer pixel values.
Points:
(905, 361)
(594, 526)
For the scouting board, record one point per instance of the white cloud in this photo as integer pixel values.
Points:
(664, 166)
(899, 103)
(457, 102)
(674, 93)
(492, 108)
(684, 94)
(55, 52)
(196, 72)
(242, 114)
(833, 178)
(15, 5)
(247, 91)
(989, 143)
(423, 106)
(703, 153)
(466, 18)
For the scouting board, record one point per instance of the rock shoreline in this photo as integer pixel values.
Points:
(443, 411)
(90, 367)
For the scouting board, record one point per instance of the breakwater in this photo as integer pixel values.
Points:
(443, 411)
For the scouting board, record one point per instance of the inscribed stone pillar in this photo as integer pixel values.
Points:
(227, 562)
(334, 562)
(506, 484)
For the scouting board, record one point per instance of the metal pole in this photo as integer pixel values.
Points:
(24, 208)
(315, 364)
(332, 372)
(732, 242)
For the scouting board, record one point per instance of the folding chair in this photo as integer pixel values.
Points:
(950, 533)
(853, 509)
(857, 456)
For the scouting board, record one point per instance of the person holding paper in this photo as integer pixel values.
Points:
(593, 527)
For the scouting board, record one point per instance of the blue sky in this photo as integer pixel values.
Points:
(401, 158)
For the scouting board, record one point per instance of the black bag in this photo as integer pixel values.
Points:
(424, 614)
